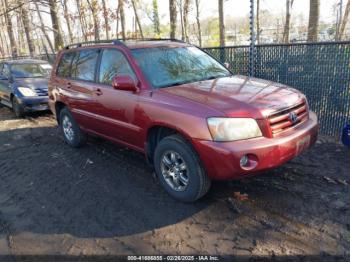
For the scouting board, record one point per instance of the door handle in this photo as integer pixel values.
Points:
(98, 92)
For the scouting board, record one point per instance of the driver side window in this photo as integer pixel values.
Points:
(114, 63)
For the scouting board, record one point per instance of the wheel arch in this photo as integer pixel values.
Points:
(58, 108)
(159, 131)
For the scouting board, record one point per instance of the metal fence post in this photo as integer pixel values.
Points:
(252, 40)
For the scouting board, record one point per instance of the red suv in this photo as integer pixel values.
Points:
(192, 118)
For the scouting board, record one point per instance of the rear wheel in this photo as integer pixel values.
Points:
(179, 169)
(17, 107)
(71, 131)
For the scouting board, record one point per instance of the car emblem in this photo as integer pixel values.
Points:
(293, 117)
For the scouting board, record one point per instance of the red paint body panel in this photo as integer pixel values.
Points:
(126, 117)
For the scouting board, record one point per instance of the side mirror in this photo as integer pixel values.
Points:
(227, 65)
(125, 83)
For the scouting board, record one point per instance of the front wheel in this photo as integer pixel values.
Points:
(71, 131)
(17, 108)
(179, 169)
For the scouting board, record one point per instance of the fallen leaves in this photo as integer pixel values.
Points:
(241, 197)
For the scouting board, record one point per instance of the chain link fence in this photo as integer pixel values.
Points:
(320, 70)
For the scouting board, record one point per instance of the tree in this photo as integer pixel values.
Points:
(314, 17)
(199, 24)
(137, 17)
(55, 25)
(173, 18)
(186, 11)
(289, 5)
(122, 17)
(82, 21)
(42, 27)
(180, 7)
(94, 8)
(221, 23)
(9, 28)
(26, 25)
(67, 18)
(344, 20)
(155, 19)
(105, 16)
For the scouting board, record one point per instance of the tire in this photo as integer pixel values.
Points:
(173, 179)
(71, 131)
(17, 108)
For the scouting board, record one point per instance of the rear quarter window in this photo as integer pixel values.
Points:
(64, 66)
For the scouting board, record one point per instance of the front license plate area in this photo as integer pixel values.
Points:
(303, 144)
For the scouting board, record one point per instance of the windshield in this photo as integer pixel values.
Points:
(167, 66)
(30, 70)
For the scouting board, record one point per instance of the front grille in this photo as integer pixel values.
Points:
(41, 92)
(281, 121)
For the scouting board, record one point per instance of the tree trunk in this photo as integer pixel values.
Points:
(117, 26)
(156, 18)
(105, 16)
(173, 15)
(93, 4)
(186, 11)
(122, 17)
(14, 51)
(180, 7)
(66, 17)
(345, 20)
(221, 23)
(26, 25)
(42, 27)
(137, 17)
(313, 20)
(258, 21)
(289, 5)
(199, 24)
(57, 35)
(82, 20)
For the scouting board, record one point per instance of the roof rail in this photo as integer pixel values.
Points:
(87, 43)
(120, 41)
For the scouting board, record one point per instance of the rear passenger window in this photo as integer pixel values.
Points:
(84, 65)
(63, 69)
(114, 63)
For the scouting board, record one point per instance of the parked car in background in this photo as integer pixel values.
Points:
(23, 85)
(192, 118)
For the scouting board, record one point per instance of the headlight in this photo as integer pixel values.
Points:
(231, 129)
(26, 91)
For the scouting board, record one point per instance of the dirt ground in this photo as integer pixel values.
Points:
(103, 199)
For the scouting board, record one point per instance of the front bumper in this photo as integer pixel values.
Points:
(222, 159)
(31, 104)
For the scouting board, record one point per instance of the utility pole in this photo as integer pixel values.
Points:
(252, 40)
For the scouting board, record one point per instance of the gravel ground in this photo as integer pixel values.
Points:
(103, 199)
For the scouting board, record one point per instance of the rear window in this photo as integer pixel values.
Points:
(63, 69)
(84, 65)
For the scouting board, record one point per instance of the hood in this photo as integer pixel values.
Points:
(39, 85)
(240, 96)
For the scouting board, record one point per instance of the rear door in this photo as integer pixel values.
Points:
(81, 86)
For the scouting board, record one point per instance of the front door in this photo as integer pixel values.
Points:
(116, 108)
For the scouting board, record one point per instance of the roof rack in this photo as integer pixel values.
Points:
(120, 41)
